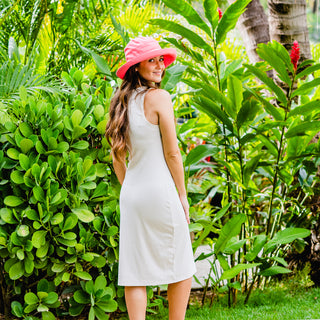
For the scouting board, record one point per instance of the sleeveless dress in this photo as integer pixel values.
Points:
(155, 246)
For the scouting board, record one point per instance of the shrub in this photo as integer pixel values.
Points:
(59, 216)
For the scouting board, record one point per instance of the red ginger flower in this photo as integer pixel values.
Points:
(220, 13)
(207, 158)
(295, 54)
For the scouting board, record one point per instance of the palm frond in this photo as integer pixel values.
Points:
(13, 76)
(135, 18)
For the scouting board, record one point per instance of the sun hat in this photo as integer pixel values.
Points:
(144, 48)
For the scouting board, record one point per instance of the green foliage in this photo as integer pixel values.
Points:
(59, 217)
(59, 214)
(258, 145)
(96, 294)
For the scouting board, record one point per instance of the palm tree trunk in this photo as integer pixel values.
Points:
(288, 22)
(254, 28)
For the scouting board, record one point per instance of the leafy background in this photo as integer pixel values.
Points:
(249, 150)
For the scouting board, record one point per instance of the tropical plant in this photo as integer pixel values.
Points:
(58, 216)
(254, 147)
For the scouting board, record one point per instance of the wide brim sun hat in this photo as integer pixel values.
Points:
(144, 48)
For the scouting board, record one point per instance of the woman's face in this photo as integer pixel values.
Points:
(152, 69)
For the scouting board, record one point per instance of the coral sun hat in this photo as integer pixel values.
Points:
(144, 48)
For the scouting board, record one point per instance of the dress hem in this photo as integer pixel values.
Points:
(154, 282)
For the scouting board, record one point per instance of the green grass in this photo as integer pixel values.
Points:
(291, 302)
(270, 304)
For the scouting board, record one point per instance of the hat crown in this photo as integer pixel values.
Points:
(139, 46)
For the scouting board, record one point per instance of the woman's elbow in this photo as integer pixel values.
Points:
(173, 156)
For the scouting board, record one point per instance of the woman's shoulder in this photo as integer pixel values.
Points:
(156, 95)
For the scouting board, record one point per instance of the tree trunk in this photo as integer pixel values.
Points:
(315, 253)
(288, 22)
(4, 296)
(254, 28)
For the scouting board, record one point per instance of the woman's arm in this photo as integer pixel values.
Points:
(160, 102)
(120, 168)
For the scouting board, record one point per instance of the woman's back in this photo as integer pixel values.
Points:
(154, 232)
(146, 157)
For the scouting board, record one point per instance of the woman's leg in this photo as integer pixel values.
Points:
(136, 301)
(178, 297)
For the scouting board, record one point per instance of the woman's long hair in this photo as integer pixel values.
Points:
(117, 130)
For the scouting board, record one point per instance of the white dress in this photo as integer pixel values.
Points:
(155, 246)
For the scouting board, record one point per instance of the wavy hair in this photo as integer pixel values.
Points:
(117, 130)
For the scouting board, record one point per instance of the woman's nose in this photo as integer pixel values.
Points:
(160, 64)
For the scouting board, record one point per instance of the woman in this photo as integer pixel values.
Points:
(155, 246)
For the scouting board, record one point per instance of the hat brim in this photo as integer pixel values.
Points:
(169, 55)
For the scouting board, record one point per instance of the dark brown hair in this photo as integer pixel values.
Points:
(117, 130)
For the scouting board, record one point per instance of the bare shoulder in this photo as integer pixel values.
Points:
(156, 96)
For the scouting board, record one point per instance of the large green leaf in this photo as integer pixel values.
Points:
(39, 238)
(305, 128)
(282, 53)
(189, 13)
(249, 168)
(7, 216)
(211, 13)
(267, 53)
(276, 113)
(101, 64)
(13, 201)
(269, 82)
(308, 71)
(235, 94)
(83, 214)
(271, 146)
(196, 56)
(16, 271)
(81, 297)
(172, 76)
(194, 39)
(212, 93)
(257, 246)
(287, 235)
(229, 19)
(106, 306)
(200, 152)
(305, 88)
(31, 298)
(221, 212)
(231, 273)
(247, 112)
(83, 275)
(214, 111)
(229, 230)
(306, 109)
(273, 271)
(234, 245)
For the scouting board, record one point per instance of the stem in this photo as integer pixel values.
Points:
(206, 288)
(250, 288)
(280, 151)
(223, 126)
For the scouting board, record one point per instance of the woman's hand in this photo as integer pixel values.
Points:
(185, 205)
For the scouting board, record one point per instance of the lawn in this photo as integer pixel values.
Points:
(284, 302)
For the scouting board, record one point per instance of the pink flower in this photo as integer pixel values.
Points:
(220, 13)
(295, 54)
